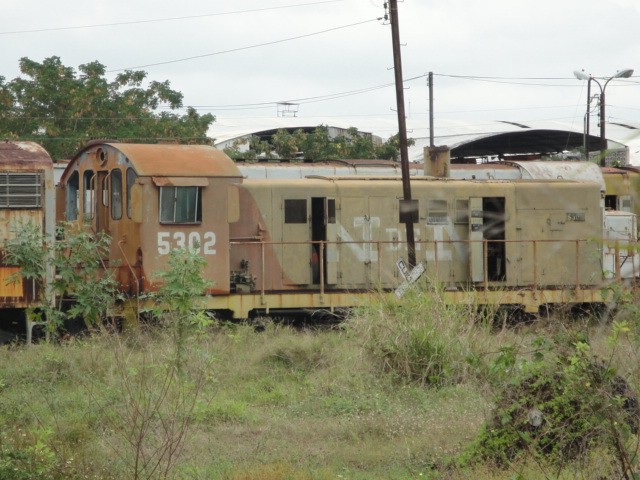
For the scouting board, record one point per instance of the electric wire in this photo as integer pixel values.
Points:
(169, 19)
(247, 47)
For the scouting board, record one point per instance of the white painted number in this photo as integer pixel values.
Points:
(168, 241)
(209, 243)
(164, 247)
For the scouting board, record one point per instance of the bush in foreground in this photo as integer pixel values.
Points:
(562, 405)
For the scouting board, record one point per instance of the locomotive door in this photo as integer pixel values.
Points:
(296, 255)
(487, 249)
(101, 199)
(353, 226)
(323, 229)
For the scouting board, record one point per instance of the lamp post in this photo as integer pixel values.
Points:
(580, 75)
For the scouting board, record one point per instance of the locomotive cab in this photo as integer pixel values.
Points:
(151, 199)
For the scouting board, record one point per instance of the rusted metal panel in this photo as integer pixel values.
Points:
(180, 181)
(178, 160)
(23, 156)
(10, 220)
(158, 160)
(10, 286)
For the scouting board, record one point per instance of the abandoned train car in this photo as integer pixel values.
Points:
(27, 196)
(326, 242)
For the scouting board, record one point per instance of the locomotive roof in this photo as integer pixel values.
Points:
(353, 179)
(178, 160)
(26, 155)
(170, 160)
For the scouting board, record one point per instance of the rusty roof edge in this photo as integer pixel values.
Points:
(149, 160)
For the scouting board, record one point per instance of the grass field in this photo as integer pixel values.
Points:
(397, 392)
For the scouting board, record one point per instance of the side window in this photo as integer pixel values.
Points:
(116, 194)
(295, 211)
(73, 201)
(88, 193)
(437, 212)
(331, 210)
(131, 180)
(180, 205)
(462, 211)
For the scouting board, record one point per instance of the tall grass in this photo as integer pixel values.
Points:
(397, 394)
(421, 339)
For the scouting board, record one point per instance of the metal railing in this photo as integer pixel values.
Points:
(437, 253)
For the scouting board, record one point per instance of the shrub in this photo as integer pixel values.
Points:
(561, 405)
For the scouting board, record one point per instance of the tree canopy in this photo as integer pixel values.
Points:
(316, 145)
(62, 109)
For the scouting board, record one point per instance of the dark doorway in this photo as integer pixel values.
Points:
(318, 234)
(494, 232)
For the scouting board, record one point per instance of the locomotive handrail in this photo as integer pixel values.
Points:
(134, 276)
(379, 251)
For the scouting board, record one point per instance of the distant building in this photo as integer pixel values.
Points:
(469, 142)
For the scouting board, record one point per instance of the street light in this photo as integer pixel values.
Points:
(580, 75)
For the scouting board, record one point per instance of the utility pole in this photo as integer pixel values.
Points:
(408, 208)
(431, 142)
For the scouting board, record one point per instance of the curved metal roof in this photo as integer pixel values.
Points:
(27, 155)
(466, 139)
(178, 160)
(537, 170)
(169, 160)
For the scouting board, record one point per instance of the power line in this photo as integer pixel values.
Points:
(246, 47)
(518, 80)
(169, 19)
(303, 100)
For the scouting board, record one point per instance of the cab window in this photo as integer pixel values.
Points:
(180, 205)
(116, 194)
(73, 200)
(131, 180)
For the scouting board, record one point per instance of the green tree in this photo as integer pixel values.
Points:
(60, 108)
(286, 144)
(390, 150)
(317, 146)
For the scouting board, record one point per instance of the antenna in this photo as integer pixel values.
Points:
(288, 109)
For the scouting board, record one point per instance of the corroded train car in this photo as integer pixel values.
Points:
(150, 199)
(326, 242)
(27, 195)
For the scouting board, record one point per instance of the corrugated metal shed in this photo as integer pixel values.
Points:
(486, 139)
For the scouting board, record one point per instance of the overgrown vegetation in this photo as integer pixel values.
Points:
(73, 264)
(407, 389)
(561, 405)
(421, 339)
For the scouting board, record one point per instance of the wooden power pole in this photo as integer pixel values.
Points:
(408, 207)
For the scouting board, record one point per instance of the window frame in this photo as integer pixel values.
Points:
(131, 177)
(164, 196)
(21, 190)
(293, 211)
(441, 208)
(116, 194)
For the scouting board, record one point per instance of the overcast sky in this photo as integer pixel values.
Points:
(492, 60)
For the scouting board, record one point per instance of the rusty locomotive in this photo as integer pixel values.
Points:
(322, 242)
(325, 242)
